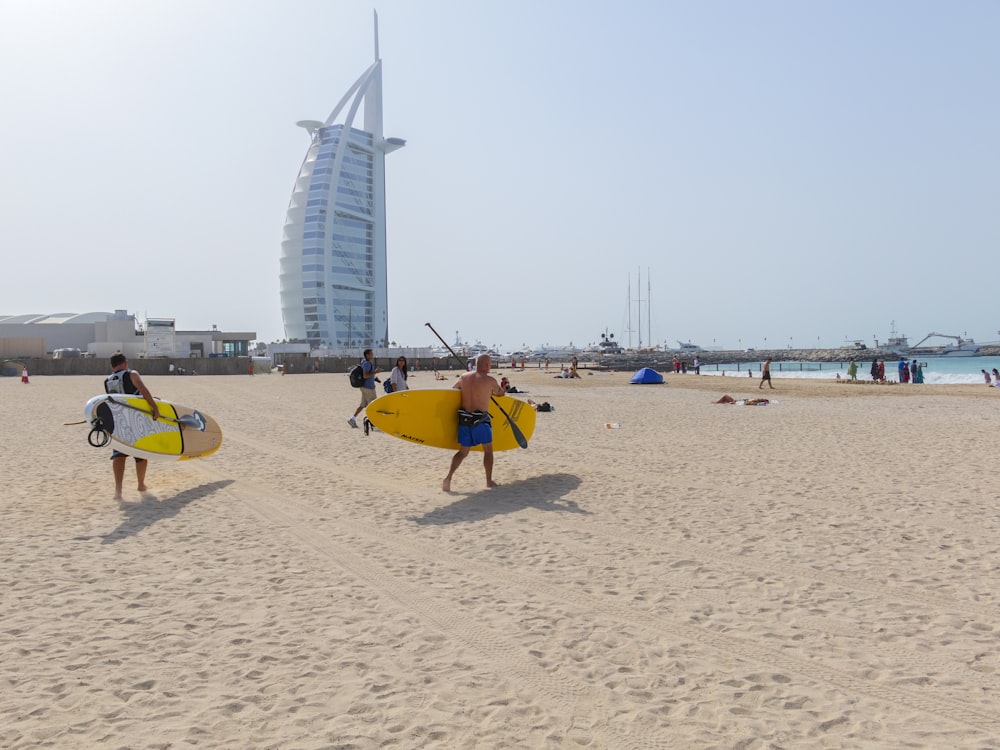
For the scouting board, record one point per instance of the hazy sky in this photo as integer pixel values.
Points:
(801, 171)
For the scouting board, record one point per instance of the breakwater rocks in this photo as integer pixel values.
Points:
(664, 360)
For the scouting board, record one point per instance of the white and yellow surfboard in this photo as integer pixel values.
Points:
(179, 434)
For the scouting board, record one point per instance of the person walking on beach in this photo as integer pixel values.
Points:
(124, 380)
(474, 428)
(766, 374)
(368, 389)
(24, 375)
(874, 371)
(852, 370)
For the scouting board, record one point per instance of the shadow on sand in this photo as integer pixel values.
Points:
(540, 493)
(149, 510)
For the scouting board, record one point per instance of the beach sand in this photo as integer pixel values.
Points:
(820, 572)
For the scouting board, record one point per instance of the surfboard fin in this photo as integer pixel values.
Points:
(195, 421)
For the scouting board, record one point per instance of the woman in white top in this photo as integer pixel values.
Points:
(399, 375)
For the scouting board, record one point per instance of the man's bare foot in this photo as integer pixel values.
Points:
(118, 494)
(446, 485)
(143, 488)
(491, 483)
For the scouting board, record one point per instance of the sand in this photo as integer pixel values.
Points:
(820, 572)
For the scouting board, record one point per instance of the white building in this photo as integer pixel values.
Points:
(101, 334)
(333, 261)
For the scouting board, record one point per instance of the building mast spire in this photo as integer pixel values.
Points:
(375, 12)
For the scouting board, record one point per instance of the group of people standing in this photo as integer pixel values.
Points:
(682, 366)
(996, 377)
(908, 372)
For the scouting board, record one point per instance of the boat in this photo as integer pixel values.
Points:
(961, 348)
(559, 353)
(896, 343)
(686, 347)
(856, 344)
(607, 345)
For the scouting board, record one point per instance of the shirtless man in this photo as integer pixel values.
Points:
(766, 375)
(474, 426)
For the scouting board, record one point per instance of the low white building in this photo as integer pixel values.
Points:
(101, 334)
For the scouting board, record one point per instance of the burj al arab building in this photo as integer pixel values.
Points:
(333, 260)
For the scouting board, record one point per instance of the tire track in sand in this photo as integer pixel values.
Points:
(299, 520)
(681, 548)
(507, 658)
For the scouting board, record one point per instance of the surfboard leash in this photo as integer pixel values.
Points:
(99, 435)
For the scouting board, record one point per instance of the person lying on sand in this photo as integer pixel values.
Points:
(746, 402)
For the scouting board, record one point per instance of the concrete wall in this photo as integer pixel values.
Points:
(297, 365)
(94, 366)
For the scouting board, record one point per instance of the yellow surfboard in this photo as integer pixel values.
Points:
(180, 433)
(430, 417)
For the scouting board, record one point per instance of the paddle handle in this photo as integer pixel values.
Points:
(518, 435)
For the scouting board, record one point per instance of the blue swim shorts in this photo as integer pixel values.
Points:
(474, 428)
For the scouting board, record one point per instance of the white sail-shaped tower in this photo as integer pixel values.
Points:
(333, 280)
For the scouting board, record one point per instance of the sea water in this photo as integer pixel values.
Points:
(937, 370)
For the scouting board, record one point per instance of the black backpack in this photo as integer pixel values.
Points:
(357, 376)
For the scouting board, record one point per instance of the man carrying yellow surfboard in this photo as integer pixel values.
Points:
(474, 428)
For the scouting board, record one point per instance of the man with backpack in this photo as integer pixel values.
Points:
(367, 387)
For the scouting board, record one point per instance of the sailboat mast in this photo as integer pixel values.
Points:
(628, 309)
(638, 303)
(649, 311)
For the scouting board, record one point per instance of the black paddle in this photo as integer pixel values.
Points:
(518, 435)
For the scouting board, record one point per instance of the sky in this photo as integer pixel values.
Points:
(736, 174)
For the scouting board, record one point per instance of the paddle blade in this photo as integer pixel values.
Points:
(518, 435)
(514, 429)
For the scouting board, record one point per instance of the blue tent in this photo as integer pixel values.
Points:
(647, 375)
